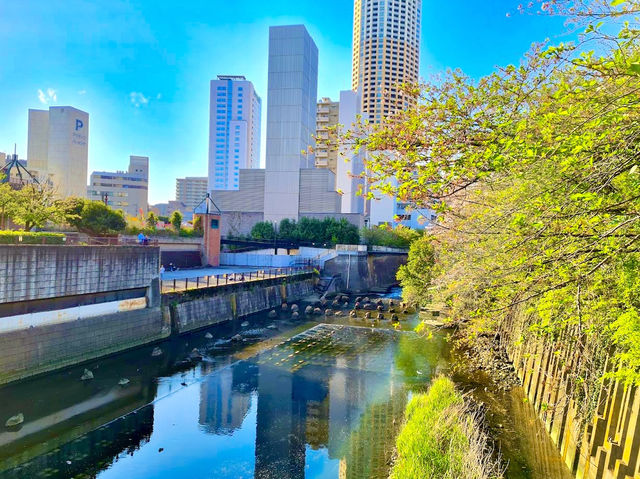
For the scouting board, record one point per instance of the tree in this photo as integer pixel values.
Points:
(71, 210)
(35, 205)
(415, 276)
(288, 230)
(263, 231)
(96, 218)
(8, 199)
(197, 224)
(152, 220)
(534, 173)
(176, 220)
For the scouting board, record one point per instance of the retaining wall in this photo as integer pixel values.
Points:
(63, 305)
(205, 307)
(365, 272)
(608, 446)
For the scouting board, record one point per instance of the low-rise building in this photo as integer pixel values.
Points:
(127, 191)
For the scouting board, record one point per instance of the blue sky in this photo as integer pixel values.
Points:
(141, 68)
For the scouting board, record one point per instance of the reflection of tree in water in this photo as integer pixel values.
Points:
(90, 453)
(416, 357)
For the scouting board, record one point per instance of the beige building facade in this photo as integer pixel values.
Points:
(386, 53)
(326, 152)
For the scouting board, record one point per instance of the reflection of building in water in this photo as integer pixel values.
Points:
(90, 453)
(283, 401)
(317, 427)
(225, 398)
(363, 439)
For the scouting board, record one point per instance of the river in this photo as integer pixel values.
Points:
(293, 399)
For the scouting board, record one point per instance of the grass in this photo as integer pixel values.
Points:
(442, 439)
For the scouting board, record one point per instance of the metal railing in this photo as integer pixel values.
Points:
(212, 281)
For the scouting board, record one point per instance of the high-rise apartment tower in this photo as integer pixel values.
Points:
(386, 53)
(234, 130)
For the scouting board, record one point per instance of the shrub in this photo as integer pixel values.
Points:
(28, 237)
(400, 237)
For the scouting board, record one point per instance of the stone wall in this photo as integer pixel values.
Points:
(31, 351)
(608, 446)
(39, 272)
(364, 273)
(63, 305)
(201, 308)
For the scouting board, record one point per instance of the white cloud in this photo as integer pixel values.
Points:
(82, 92)
(48, 97)
(138, 99)
(159, 96)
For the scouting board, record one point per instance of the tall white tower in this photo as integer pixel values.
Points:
(386, 53)
(234, 130)
(291, 117)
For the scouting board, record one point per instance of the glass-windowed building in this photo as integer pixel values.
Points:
(123, 190)
(234, 130)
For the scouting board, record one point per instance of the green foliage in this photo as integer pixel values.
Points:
(30, 237)
(96, 218)
(415, 276)
(309, 230)
(534, 173)
(197, 225)
(34, 206)
(440, 439)
(400, 237)
(262, 231)
(152, 220)
(176, 220)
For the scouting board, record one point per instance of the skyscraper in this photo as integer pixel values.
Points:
(386, 53)
(234, 130)
(58, 148)
(291, 117)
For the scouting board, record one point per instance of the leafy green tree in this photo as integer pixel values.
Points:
(262, 231)
(71, 209)
(35, 206)
(152, 220)
(176, 220)
(288, 230)
(415, 276)
(8, 198)
(400, 237)
(197, 225)
(534, 173)
(96, 218)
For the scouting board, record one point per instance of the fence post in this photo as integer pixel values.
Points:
(197, 281)
(217, 279)
(186, 283)
(208, 280)
(174, 284)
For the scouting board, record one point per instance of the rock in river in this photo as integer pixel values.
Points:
(14, 421)
(273, 314)
(208, 336)
(86, 375)
(156, 352)
(123, 382)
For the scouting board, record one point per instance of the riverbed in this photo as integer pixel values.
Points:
(319, 397)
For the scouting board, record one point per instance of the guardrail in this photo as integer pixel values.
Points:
(212, 281)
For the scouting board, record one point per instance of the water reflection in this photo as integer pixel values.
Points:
(325, 404)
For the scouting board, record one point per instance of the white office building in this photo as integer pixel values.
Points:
(58, 148)
(123, 190)
(291, 117)
(234, 130)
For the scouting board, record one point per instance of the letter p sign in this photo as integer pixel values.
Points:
(79, 124)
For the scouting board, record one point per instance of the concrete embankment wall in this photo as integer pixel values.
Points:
(366, 272)
(196, 309)
(62, 305)
(608, 446)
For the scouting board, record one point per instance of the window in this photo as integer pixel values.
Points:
(214, 224)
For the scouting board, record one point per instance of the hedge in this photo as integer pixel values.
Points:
(28, 237)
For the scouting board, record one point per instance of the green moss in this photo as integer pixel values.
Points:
(441, 439)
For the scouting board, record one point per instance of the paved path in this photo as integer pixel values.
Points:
(194, 273)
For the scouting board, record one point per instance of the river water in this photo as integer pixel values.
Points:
(294, 399)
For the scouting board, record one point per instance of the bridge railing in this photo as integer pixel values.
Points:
(211, 281)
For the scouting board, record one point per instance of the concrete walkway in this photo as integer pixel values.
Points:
(199, 272)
